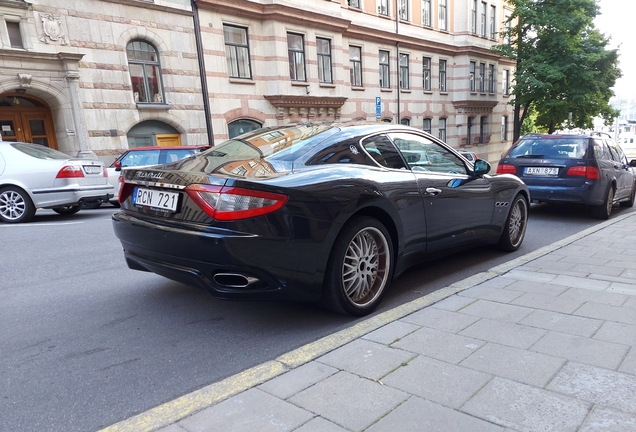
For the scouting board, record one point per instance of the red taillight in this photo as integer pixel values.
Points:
(506, 169)
(104, 171)
(125, 190)
(70, 171)
(588, 172)
(231, 203)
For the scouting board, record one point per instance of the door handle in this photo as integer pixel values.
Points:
(433, 191)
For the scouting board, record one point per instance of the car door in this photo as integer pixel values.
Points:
(621, 170)
(458, 207)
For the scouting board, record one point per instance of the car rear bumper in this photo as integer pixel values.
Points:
(49, 198)
(588, 193)
(217, 261)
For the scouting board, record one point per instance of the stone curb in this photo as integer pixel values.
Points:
(187, 405)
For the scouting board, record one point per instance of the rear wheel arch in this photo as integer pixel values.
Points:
(386, 220)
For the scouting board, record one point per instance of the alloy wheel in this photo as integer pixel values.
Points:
(365, 268)
(12, 205)
(518, 220)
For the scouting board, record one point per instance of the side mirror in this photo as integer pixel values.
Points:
(117, 166)
(481, 167)
(632, 163)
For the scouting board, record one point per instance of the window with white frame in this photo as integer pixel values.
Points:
(383, 7)
(385, 81)
(505, 82)
(237, 53)
(442, 129)
(443, 14)
(493, 22)
(404, 71)
(296, 51)
(426, 73)
(473, 17)
(482, 77)
(323, 48)
(427, 17)
(355, 65)
(15, 34)
(504, 128)
(483, 21)
(404, 9)
(145, 72)
(442, 75)
(472, 69)
(491, 78)
(426, 126)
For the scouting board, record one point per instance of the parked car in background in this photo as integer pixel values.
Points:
(327, 212)
(144, 156)
(471, 156)
(583, 169)
(628, 144)
(33, 176)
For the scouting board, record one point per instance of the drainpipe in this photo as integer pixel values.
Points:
(202, 73)
(397, 46)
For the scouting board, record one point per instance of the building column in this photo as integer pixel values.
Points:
(72, 77)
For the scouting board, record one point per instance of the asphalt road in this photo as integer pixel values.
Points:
(85, 342)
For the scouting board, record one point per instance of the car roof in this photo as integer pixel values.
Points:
(168, 148)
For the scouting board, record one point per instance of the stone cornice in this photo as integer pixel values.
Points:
(475, 106)
(149, 4)
(30, 55)
(289, 101)
(16, 4)
(275, 12)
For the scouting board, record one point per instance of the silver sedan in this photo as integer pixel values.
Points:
(33, 176)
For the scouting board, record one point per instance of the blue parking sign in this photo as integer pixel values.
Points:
(378, 107)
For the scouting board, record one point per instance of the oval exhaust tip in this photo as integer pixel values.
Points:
(234, 280)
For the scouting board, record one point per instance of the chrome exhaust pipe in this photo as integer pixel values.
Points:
(234, 280)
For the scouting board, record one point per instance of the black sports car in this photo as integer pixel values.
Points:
(329, 213)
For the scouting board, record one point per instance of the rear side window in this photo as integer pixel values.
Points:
(39, 151)
(175, 155)
(551, 148)
(346, 151)
(617, 152)
(381, 149)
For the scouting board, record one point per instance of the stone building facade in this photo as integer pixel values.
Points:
(95, 77)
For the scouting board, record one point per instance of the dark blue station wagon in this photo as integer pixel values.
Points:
(583, 169)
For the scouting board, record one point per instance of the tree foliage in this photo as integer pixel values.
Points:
(562, 63)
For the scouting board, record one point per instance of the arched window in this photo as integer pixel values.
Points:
(405, 121)
(145, 72)
(239, 127)
(152, 133)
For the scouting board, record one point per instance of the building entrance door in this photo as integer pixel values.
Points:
(26, 118)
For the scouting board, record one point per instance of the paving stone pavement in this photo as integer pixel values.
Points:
(544, 343)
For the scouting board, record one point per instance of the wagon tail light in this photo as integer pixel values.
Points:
(125, 190)
(506, 169)
(232, 203)
(588, 172)
(70, 171)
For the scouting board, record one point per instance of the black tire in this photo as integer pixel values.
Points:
(360, 268)
(630, 201)
(91, 204)
(603, 211)
(15, 205)
(515, 227)
(67, 210)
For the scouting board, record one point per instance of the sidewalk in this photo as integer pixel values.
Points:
(542, 343)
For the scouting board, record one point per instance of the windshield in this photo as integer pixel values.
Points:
(40, 151)
(550, 148)
(268, 150)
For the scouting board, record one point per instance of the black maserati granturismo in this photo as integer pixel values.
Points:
(328, 212)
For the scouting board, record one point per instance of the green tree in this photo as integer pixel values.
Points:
(562, 63)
